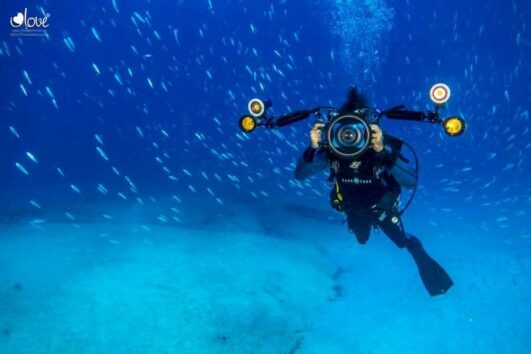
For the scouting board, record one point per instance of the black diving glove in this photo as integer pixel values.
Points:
(309, 154)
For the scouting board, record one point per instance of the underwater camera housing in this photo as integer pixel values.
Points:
(349, 135)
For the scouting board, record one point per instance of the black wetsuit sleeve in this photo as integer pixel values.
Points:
(311, 162)
(389, 157)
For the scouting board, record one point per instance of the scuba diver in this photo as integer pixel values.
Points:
(367, 167)
(367, 189)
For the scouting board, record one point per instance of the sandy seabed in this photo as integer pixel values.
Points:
(126, 288)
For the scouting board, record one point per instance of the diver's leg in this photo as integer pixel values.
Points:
(391, 224)
(360, 224)
(435, 279)
(389, 221)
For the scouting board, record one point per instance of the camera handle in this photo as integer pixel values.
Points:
(319, 117)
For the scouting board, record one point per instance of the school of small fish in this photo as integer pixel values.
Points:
(140, 107)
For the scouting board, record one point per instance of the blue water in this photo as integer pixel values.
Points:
(136, 217)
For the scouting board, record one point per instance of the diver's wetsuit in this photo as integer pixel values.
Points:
(365, 189)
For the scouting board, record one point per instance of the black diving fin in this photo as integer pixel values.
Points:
(434, 277)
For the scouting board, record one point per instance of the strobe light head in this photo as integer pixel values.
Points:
(454, 126)
(348, 136)
(440, 94)
(256, 107)
(247, 123)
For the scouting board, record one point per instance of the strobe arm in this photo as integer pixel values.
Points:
(295, 117)
(400, 113)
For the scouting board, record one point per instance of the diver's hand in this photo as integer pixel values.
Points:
(377, 139)
(315, 135)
